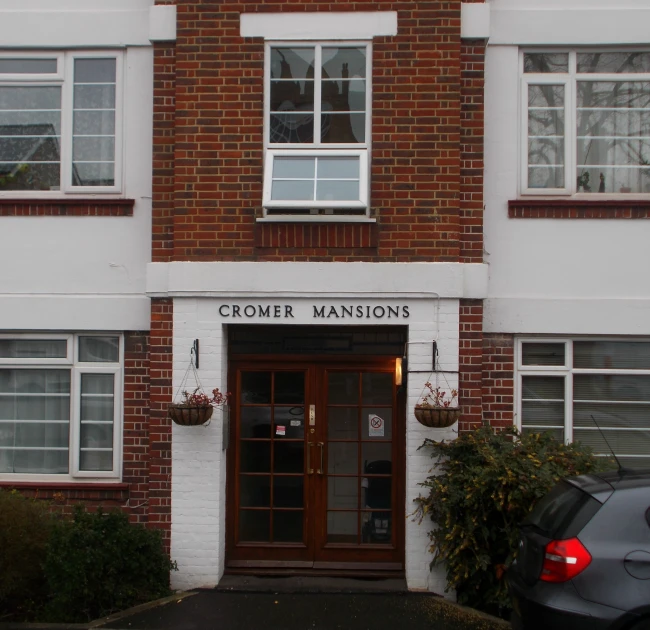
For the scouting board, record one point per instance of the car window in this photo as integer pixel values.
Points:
(563, 512)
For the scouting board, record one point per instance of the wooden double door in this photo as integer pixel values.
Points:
(316, 467)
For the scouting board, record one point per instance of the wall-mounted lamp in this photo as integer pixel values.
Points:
(398, 371)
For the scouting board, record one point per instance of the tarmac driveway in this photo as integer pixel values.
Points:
(219, 610)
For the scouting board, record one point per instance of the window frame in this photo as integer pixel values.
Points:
(64, 78)
(567, 371)
(77, 369)
(569, 79)
(272, 209)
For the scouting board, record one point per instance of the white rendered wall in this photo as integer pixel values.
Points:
(199, 508)
(553, 276)
(63, 273)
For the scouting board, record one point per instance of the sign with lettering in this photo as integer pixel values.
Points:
(316, 311)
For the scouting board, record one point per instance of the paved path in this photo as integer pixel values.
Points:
(219, 610)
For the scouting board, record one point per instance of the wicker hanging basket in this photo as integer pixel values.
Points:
(189, 416)
(437, 417)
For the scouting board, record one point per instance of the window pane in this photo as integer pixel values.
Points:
(614, 62)
(342, 424)
(343, 493)
(617, 355)
(346, 128)
(611, 415)
(621, 442)
(28, 66)
(343, 527)
(546, 136)
(298, 190)
(298, 127)
(344, 63)
(292, 96)
(344, 96)
(94, 97)
(34, 427)
(254, 526)
(30, 97)
(288, 491)
(287, 526)
(343, 388)
(611, 387)
(293, 420)
(255, 491)
(93, 174)
(298, 167)
(542, 401)
(332, 190)
(377, 389)
(543, 354)
(94, 436)
(558, 434)
(613, 144)
(93, 149)
(376, 527)
(29, 138)
(99, 349)
(292, 63)
(288, 457)
(97, 122)
(338, 168)
(95, 70)
(546, 62)
(101, 461)
(342, 458)
(33, 348)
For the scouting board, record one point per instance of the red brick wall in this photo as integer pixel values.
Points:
(470, 363)
(160, 434)
(425, 175)
(471, 147)
(498, 379)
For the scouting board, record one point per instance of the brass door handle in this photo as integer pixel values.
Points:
(320, 470)
(310, 470)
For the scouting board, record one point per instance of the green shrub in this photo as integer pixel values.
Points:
(99, 563)
(488, 482)
(25, 526)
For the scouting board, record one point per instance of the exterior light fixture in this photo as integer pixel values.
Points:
(398, 371)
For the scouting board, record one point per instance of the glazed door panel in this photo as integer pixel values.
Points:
(315, 481)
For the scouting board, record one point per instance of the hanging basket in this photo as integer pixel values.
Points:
(437, 417)
(189, 416)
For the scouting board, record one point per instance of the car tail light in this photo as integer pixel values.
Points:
(563, 560)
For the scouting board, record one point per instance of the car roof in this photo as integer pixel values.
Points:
(605, 482)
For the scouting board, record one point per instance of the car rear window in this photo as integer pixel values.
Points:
(563, 512)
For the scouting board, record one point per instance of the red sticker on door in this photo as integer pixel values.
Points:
(280, 429)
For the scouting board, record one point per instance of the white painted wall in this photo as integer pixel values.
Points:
(199, 508)
(62, 273)
(554, 276)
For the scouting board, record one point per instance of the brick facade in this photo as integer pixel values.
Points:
(498, 380)
(208, 142)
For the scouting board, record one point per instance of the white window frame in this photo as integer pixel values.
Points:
(565, 371)
(317, 148)
(77, 369)
(569, 80)
(64, 78)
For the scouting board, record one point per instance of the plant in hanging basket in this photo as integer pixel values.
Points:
(435, 409)
(196, 408)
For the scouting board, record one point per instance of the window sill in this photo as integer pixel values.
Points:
(62, 207)
(64, 485)
(316, 218)
(580, 208)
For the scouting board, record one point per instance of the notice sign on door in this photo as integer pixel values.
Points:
(375, 426)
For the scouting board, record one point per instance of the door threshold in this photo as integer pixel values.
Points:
(319, 583)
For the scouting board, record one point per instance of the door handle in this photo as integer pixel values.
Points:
(310, 470)
(320, 470)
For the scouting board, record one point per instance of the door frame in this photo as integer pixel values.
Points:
(256, 562)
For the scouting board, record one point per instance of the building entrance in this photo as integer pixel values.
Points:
(316, 475)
